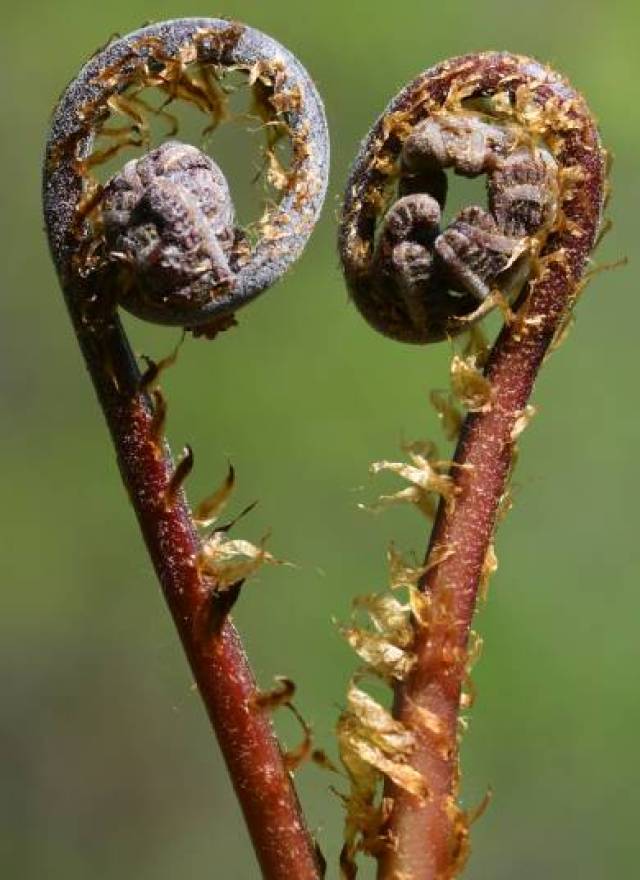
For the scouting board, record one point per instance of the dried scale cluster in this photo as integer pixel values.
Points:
(160, 238)
(525, 127)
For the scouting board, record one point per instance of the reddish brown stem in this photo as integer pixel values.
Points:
(226, 684)
(79, 219)
(429, 837)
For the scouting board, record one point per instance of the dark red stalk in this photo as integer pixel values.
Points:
(164, 56)
(430, 837)
(426, 838)
(264, 787)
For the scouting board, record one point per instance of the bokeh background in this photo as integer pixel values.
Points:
(107, 763)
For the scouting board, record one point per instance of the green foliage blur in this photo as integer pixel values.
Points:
(108, 767)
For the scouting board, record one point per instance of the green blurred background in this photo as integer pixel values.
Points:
(108, 767)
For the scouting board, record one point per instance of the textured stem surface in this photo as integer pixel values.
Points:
(226, 684)
(161, 56)
(429, 836)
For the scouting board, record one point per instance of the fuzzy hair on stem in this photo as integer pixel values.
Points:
(522, 104)
(161, 56)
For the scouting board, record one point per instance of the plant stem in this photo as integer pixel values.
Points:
(430, 837)
(184, 59)
(282, 843)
